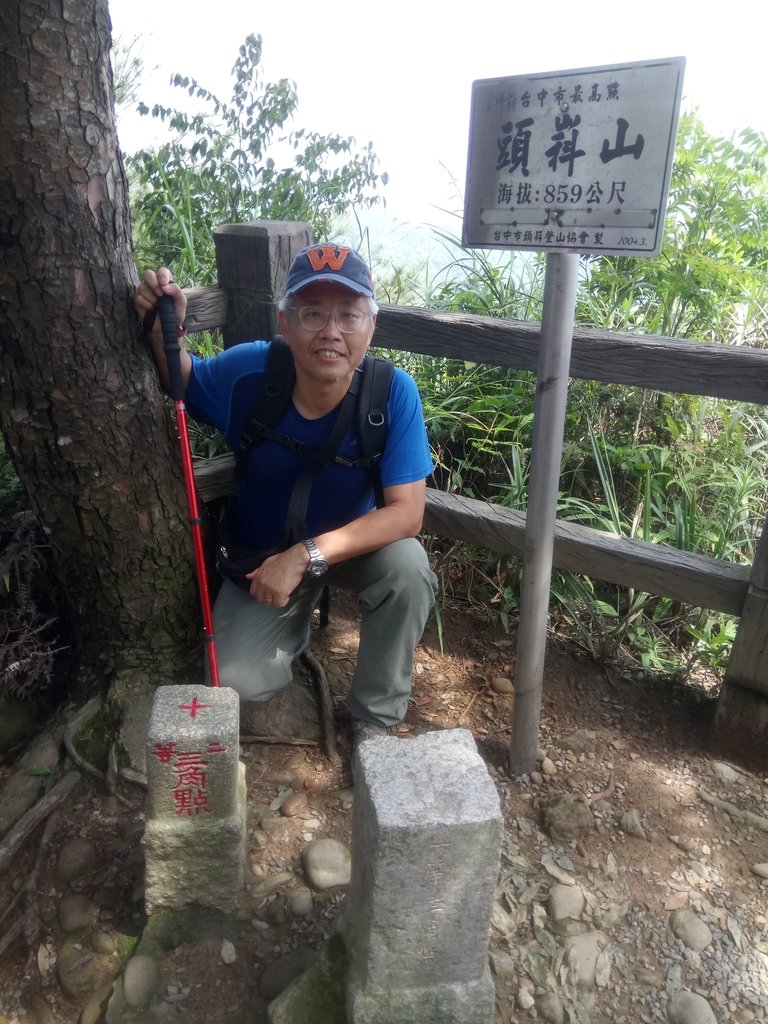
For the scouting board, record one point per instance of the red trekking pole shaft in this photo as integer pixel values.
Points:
(176, 391)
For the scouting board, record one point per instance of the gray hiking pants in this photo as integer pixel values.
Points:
(256, 644)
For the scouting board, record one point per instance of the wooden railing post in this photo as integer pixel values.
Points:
(252, 262)
(741, 720)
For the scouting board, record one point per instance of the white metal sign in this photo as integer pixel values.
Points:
(573, 161)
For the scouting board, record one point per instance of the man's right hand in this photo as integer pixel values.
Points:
(155, 284)
(278, 576)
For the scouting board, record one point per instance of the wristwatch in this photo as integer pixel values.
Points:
(317, 564)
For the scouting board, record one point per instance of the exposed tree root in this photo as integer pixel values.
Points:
(468, 708)
(137, 778)
(113, 774)
(604, 794)
(285, 741)
(325, 706)
(37, 764)
(32, 922)
(12, 842)
(13, 933)
(747, 817)
(30, 819)
(16, 897)
(29, 925)
(80, 719)
(112, 777)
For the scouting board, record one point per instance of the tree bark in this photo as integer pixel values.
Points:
(89, 433)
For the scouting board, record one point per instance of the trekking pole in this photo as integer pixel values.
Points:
(176, 391)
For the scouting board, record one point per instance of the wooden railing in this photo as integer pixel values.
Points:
(245, 309)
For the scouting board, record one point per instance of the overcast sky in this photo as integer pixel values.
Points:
(400, 74)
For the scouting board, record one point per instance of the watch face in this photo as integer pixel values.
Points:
(317, 564)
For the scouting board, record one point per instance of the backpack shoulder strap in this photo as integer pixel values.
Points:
(279, 378)
(372, 416)
(372, 419)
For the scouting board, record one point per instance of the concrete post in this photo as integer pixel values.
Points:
(196, 828)
(426, 839)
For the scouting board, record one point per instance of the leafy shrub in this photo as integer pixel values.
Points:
(236, 161)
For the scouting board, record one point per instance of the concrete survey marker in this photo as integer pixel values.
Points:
(426, 838)
(195, 832)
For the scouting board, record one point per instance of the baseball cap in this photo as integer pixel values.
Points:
(329, 262)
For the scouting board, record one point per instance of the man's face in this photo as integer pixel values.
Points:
(327, 354)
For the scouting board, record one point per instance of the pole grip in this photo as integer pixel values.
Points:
(171, 346)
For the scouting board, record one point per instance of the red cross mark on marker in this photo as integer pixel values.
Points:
(193, 708)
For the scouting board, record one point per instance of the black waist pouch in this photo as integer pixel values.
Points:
(234, 559)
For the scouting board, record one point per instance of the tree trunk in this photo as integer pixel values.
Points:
(90, 435)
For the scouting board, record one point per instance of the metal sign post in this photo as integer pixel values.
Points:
(544, 481)
(564, 162)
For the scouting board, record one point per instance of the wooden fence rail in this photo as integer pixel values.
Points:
(736, 373)
(693, 579)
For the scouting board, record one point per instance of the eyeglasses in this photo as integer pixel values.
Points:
(313, 319)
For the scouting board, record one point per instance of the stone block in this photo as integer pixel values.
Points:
(193, 743)
(426, 837)
(195, 837)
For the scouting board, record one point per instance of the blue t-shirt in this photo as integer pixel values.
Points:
(222, 392)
